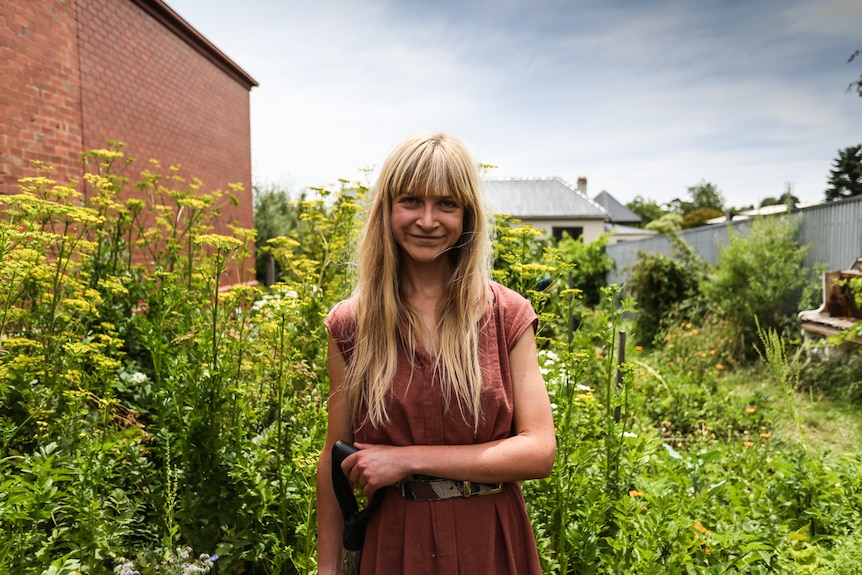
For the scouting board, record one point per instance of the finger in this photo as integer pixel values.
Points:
(348, 465)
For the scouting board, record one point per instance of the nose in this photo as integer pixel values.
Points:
(426, 218)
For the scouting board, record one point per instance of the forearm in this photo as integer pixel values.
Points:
(512, 459)
(330, 523)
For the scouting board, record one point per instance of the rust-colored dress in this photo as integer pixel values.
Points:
(483, 534)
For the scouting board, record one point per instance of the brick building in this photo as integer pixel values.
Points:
(78, 73)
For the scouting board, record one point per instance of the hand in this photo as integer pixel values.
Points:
(375, 467)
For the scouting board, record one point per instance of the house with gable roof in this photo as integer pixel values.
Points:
(623, 224)
(549, 204)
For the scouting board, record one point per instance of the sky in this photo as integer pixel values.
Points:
(643, 98)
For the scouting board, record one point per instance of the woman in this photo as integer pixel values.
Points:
(434, 375)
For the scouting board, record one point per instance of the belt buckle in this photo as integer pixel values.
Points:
(468, 489)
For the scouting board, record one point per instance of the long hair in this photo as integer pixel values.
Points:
(428, 164)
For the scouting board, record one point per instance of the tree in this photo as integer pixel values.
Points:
(679, 207)
(275, 214)
(857, 85)
(706, 195)
(699, 217)
(845, 179)
(646, 210)
(787, 198)
(668, 223)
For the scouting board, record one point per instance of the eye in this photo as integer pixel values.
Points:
(408, 200)
(449, 203)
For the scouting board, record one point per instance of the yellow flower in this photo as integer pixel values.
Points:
(750, 409)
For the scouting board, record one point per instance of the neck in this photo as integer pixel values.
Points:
(424, 282)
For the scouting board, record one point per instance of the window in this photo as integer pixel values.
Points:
(574, 232)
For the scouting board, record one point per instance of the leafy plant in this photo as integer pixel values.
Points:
(756, 278)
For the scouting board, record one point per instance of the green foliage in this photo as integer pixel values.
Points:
(590, 266)
(706, 195)
(660, 285)
(145, 411)
(838, 376)
(757, 277)
(142, 407)
(646, 210)
(275, 215)
(845, 178)
(857, 85)
(846, 556)
(668, 223)
(699, 216)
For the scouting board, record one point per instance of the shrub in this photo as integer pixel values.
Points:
(275, 215)
(662, 285)
(757, 277)
(590, 266)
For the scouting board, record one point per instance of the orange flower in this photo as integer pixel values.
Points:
(641, 373)
(712, 352)
(635, 493)
(750, 409)
(702, 354)
(639, 348)
(599, 356)
(765, 435)
(719, 367)
(670, 363)
(700, 527)
(748, 443)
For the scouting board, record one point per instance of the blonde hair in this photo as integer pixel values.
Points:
(428, 164)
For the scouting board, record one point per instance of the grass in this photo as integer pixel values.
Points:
(821, 419)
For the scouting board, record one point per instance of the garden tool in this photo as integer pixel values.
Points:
(355, 519)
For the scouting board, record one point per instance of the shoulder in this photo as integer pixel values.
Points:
(513, 311)
(508, 299)
(341, 319)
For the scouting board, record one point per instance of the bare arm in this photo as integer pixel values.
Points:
(330, 523)
(527, 454)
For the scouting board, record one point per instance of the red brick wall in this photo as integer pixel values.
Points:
(83, 72)
(144, 86)
(40, 96)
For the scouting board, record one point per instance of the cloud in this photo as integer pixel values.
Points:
(643, 98)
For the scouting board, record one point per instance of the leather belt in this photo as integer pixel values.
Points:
(425, 488)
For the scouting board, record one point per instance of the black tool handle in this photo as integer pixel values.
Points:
(354, 532)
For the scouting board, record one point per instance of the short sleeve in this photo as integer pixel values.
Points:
(516, 313)
(341, 324)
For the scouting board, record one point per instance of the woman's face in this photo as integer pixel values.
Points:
(426, 226)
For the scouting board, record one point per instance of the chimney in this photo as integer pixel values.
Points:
(582, 185)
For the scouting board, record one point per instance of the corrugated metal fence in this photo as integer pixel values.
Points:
(833, 230)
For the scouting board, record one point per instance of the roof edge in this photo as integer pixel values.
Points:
(166, 16)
